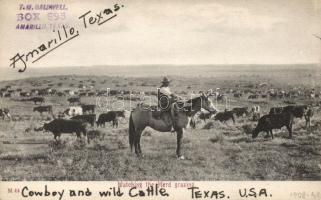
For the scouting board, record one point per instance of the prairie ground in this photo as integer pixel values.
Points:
(213, 151)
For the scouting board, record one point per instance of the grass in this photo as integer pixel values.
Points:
(213, 151)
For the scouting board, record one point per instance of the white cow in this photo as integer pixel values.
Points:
(73, 111)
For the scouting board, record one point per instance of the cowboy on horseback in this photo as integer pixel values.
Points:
(165, 97)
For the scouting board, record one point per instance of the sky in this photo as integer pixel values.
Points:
(174, 32)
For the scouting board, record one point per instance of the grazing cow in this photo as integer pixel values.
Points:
(274, 121)
(240, 111)
(73, 111)
(237, 95)
(58, 126)
(25, 94)
(111, 116)
(60, 94)
(38, 99)
(253, 96)
(42, 109)
(73, 100)
(307, 115)
(4, 112)
(90, 108)
(91, 118)
(224, 116)
(90, 94)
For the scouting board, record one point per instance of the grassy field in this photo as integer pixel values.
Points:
(213, 151)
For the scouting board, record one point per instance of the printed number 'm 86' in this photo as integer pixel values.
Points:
(56, 16)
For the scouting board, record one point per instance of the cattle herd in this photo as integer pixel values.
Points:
(75, 117)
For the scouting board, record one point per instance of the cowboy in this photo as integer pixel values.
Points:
(165, 96)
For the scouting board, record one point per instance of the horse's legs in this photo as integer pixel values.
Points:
(138, 150)
(179, 143)
(290, 130)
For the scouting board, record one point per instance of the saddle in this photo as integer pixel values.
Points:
(156, 112)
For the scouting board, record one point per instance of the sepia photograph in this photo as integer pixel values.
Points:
(175, 90)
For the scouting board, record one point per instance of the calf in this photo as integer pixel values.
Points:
(274, 121)
(224, 116)
(73, 111)
(42, 109)
(73, 100)
(37, 99)
(111, 116)
(91, 118)
(90, 108)
(240, 111)
(58, 126)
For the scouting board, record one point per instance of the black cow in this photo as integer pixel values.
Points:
(24, 94)
(297, 111)
(205, 115)
(240, 111)
(60, 94)
(42, 109)
(274, 121)
(111, 116)
(37, 99)
(253, 96)
(237, 95)
(224, 116)
(58, 126)
(73, 100)
(90, 108)
(91, 118)
(4, 112)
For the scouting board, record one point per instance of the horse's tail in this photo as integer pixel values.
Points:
(131, 131)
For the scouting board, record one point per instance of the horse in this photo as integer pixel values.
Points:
(177, 118)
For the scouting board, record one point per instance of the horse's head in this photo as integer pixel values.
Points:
(207, 104)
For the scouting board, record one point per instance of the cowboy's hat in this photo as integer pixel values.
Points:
(166, 80)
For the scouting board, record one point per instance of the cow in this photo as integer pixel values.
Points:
(240, 111)
(297, 111)
(274, 121)
(59, 126)
(4, 112)
(276, 110)
(42, 109)
(24, 94)
(37, 99)
(237, 95)
(90, 108)
(111, 116)
(73, 100)
(60, 94)
(91, 118)
(255, 110)
(253, 96)
(73, 111)
(224, 116)
(307, 115)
